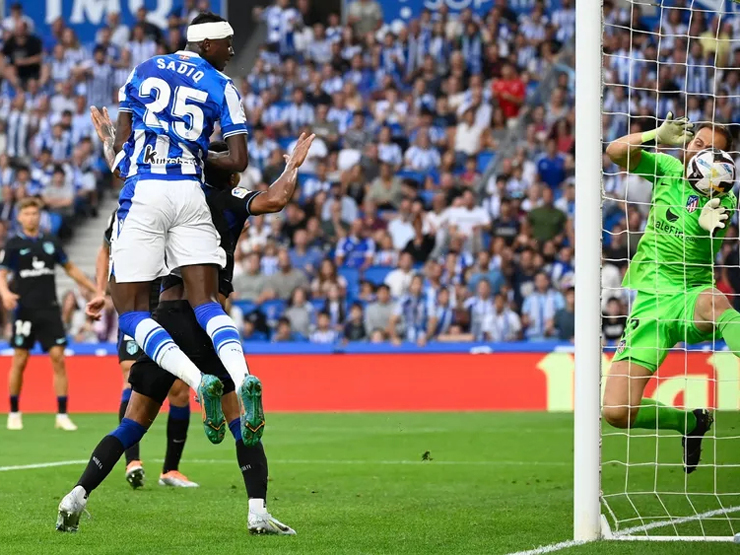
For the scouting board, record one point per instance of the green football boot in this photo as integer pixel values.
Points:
(210, 391)
(252, 416)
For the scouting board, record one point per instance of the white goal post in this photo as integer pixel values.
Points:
(679, 518)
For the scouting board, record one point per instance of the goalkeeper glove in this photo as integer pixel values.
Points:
(713, 216)
(672, 132)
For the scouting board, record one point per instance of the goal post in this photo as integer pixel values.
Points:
(629, 484)
(587, 394)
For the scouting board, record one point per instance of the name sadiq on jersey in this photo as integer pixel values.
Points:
(183, 68)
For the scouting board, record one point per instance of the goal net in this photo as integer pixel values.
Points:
(683, 57)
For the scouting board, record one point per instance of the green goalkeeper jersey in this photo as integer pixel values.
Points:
(675, 253)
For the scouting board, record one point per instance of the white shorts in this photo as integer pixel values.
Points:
(162, 225)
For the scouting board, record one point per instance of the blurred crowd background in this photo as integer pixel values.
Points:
(437, 202)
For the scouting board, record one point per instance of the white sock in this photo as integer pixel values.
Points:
(230, 352)
(257, 506)
(160, 347)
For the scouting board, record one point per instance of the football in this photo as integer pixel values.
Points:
(711, 172)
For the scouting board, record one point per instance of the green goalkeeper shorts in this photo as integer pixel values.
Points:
(656, 324)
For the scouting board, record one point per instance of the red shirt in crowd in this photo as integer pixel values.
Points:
(505, 88)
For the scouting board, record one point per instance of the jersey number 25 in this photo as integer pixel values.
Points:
(191, 127)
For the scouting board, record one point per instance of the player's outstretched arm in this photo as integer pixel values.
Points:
(281, 191)
(626, 151)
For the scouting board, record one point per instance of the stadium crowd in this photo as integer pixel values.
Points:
(393, 234)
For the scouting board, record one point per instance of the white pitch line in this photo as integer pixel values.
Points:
(41, 465)
(551, 548)
(627, 531)
(311, 461)
(676, 521)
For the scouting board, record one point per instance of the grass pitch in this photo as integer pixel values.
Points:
(496, 483)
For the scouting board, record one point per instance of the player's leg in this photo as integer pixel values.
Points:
(15, 383)
(61, 388)
(142, 222)
(193, 245)
(714, 311)
(150, 385)
(177, 433)
(227, 344)
(253, 466)
(50, 332)
(135, 474)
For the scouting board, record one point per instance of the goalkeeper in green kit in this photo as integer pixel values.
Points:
(672, 272)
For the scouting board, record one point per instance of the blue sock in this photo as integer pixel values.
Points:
(236, 429)
(150, 336)
(129, 432)
(126, 395)
(226, 341)
(159, 346)
(14, 403)
(62, 405)
(180, 413)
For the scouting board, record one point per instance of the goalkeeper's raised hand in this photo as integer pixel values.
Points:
(672, 132)
(713, 216)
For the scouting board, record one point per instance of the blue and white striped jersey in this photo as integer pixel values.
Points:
(175, 101)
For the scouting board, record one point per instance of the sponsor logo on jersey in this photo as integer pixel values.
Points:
(670, 216)
(239, 192)
(131, 347)
(692, 203)
(49, 248)
(24, 252)
(39, 269)
(150, 157)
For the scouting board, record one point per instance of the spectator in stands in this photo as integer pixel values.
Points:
(442, 312)
(547, 221)
(300, 313)
(365, 16)
(326, 278)
(287, 278)
(302, 256)
(354, 329)
(509, 91)
(59, 196)
(399, 279)
(354, 250)
(468, 220)
(564, 320)
(484, 270)
(480, 307)
(348, 211)
(386, 191)
(540, 308)
(551, 166)
(284, 333)
(324, 333)
(411, 315)
(378, 313)
(503, 324)
(422, 245)
(335, 307)
(251, 284)
(386, 255)
(613, 320)
(25, 54)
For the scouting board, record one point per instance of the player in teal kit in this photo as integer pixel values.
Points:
(673, 274)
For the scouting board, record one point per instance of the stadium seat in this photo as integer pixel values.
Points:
(419, 177)
(377, 274)
(245, 306)
(284, 142)
(318, 304)
(273, 310)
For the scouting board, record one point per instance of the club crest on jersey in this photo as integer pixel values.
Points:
(131, 347)
(621, 347)
(239, 192)
(49, 248)
(692, 203)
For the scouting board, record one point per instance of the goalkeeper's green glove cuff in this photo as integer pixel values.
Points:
(648, 136)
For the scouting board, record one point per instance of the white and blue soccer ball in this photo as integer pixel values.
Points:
(711, 172)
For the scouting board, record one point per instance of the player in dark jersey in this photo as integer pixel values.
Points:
(178, 397)
(231, 207)
(31, 258)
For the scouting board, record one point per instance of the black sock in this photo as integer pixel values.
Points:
(132, 453)
(177, 433)
(253, 464)
(14, 403)
(62, 405)
(103, 459)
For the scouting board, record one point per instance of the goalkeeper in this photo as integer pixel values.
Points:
(672, 272)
